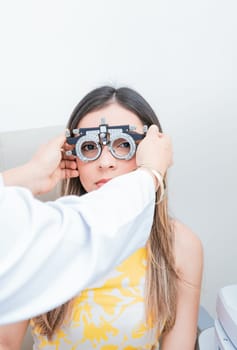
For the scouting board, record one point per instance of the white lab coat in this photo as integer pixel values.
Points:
(50, 251)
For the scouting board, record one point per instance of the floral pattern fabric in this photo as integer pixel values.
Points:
(109, 315)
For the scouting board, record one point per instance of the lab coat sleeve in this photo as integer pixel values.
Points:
(51, 251)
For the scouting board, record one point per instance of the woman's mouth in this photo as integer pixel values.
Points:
(101, 182)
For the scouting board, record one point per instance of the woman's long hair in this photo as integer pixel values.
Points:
(161, 275)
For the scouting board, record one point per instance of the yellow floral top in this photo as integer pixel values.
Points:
(108, 316)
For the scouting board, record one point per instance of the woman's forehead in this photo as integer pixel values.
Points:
(113, 114)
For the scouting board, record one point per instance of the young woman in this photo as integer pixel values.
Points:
(153, 296)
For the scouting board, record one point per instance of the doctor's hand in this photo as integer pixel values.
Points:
(52, 166)
(155, 151)
(45, 169)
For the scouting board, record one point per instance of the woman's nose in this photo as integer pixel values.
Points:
(106, 160)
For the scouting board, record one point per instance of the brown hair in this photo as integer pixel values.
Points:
(161, 276)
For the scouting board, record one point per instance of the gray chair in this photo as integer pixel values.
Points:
(205, 322)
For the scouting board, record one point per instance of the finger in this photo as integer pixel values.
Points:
(68, 174)
(59, 140)
(153, 130)
(68, 164)
(66, 157)
(67, 147)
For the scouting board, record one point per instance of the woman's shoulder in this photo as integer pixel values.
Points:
(188, 251)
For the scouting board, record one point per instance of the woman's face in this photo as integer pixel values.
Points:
(96, 173)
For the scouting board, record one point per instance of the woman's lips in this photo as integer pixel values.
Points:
(102, 182)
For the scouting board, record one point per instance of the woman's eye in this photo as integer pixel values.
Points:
(88, 147)
(124, 145)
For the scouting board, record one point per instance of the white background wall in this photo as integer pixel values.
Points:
(181, 55)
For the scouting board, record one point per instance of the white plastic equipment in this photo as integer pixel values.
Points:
(226, 322)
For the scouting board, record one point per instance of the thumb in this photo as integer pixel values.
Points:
(59, 140)
(153, 130)
(48, 149)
